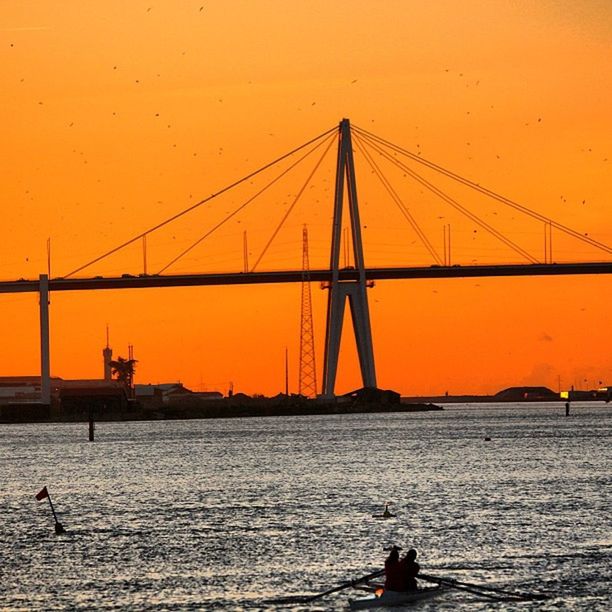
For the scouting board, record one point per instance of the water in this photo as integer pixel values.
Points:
(227, 514)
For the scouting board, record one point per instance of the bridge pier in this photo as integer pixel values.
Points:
(45, 368)
(357, 299)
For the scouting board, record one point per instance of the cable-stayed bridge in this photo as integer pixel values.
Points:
(347, 277)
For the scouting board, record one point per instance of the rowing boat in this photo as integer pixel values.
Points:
(395, 598)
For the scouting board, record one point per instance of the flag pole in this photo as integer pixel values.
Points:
(52, 508)
(58, 526)
(44, 492)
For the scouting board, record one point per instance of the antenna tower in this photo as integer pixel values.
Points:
(308, 371)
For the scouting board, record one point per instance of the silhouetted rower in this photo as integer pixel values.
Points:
(394, 574)
(410, 570)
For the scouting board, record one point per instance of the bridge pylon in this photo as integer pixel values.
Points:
(45, 368)
(353, 290)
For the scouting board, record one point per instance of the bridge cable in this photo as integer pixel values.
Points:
(398, 201)
(295, 201)
(201, 202)
(245, 204)
(486, 191)
(465, 211)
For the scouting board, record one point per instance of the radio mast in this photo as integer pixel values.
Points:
(308, 371)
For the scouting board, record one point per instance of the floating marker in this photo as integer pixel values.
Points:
(386, 514)
(59, 529)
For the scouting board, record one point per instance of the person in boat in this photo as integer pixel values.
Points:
(394, 572)
(387, 513)
(410, 569)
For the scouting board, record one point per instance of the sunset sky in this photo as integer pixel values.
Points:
(118, 115)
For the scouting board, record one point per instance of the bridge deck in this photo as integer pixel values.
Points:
(127, 281)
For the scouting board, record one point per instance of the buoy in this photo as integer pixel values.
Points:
(385, 514)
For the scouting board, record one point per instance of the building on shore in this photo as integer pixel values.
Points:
(160, 393)
(20, 397)
(24, 388)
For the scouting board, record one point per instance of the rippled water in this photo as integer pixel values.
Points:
(227, 514)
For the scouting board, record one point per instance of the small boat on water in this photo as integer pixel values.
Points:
(395, 598)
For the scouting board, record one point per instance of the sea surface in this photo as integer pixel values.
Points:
(231, 514)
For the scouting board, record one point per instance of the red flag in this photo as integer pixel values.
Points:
(42, 494)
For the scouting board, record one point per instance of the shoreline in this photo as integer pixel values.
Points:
(208, 409)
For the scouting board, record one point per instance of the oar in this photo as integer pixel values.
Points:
(340, 587)
(504, 591)
(499, 594)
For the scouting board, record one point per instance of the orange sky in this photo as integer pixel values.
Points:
(118, 115)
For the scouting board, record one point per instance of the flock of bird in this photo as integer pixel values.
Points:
(220, 150)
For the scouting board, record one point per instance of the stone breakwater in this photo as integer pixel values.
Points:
(270, 407)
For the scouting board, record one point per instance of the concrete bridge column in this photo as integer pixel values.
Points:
(45, 367)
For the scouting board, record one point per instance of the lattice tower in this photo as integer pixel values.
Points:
(308, 371)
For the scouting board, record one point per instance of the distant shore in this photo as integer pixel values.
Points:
(195, 408)
(91, 404)
(514, 394)
(269, 407)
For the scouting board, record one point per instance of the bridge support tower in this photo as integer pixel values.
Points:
(45, 367)
(354, 290)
